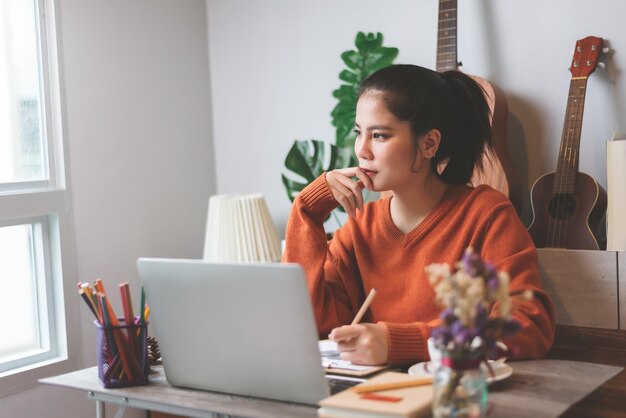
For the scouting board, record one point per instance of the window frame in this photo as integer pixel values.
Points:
(44, 296)
(48, 202)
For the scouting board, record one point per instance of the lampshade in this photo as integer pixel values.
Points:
(240, 230)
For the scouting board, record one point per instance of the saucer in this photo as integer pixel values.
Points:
(500, 370)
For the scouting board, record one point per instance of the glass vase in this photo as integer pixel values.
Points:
(460, 389)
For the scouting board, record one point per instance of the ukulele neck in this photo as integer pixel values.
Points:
(567, 166)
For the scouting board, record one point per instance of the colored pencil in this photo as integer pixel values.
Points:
(378, 387)
(89, 303)
(127, 305)
(366, 304)
(142, 307)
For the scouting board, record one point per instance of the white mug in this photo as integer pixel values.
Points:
(435, 355)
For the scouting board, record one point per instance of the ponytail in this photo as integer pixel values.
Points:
(450, 102)
(470, 132)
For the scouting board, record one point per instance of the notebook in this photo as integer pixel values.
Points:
(410, 402)
(245, 329)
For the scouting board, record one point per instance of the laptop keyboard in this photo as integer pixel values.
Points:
(338, 384)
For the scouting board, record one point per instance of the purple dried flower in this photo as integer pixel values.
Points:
(464, 336)
(493, 282)
(442, 336)
(481, 312)
(467, 307)
(472, 263)
(448, 316)
(490, 270)
(481, 319)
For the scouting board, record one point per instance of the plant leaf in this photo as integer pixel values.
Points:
(349, 76)
(344, 92)
(352, 59)
(346, 137)
(369, 57)
(306, 159)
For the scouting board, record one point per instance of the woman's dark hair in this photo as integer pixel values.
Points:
(450, 102)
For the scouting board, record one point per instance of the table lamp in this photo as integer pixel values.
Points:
(240, 230)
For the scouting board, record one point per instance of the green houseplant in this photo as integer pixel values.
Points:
(305, 160)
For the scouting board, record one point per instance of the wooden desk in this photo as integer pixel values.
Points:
(160, 396)
(588, 289)
(544, 388)
(602, 346)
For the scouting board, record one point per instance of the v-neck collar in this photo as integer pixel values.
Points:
(443, 206)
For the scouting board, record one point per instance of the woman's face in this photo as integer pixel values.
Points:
(384, 145)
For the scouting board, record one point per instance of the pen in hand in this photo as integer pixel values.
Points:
(345, 333)
(363, 309)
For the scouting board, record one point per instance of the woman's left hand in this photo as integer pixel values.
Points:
(362, 343)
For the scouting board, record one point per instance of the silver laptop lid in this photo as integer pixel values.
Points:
(245, 329)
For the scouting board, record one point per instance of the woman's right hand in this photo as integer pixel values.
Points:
(346, 190)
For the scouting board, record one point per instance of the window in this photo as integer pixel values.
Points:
(34, 222)
(23, 294)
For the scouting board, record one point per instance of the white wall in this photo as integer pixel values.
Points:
(274, 64)
(139, 117)
(140, 158)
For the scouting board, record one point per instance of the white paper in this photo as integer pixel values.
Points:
(331, 360)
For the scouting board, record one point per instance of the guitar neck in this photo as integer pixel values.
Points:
(567, 166)
(446, 36)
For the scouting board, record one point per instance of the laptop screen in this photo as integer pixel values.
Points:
(244, 329)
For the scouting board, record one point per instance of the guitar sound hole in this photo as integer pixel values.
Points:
(562, 206)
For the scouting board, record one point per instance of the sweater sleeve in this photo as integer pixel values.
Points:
(407, 342)
(306, 244)
(509, 247)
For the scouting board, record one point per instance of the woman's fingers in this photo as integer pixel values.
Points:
(367, 181)
(345, 333)
(344, 195)
(358, 173)
(362, 343)
(349, 344)
(346, 190)
(352, 192)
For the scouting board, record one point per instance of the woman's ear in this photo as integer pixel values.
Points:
(429, 143)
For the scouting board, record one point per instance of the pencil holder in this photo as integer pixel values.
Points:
(122, 354)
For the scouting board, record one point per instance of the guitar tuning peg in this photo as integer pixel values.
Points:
(601, 65)
(606, 49)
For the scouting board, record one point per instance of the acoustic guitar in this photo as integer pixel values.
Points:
(498, 171)
(567, 204)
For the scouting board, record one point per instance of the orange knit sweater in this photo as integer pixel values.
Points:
(369, 251)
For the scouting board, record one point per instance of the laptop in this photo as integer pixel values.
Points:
(245, 329)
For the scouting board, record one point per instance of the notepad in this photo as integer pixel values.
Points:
(409, 402)
(334, 364)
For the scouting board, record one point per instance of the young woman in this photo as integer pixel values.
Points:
(410, 122)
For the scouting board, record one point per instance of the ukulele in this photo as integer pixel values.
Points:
(497, 170)
(567, 204)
